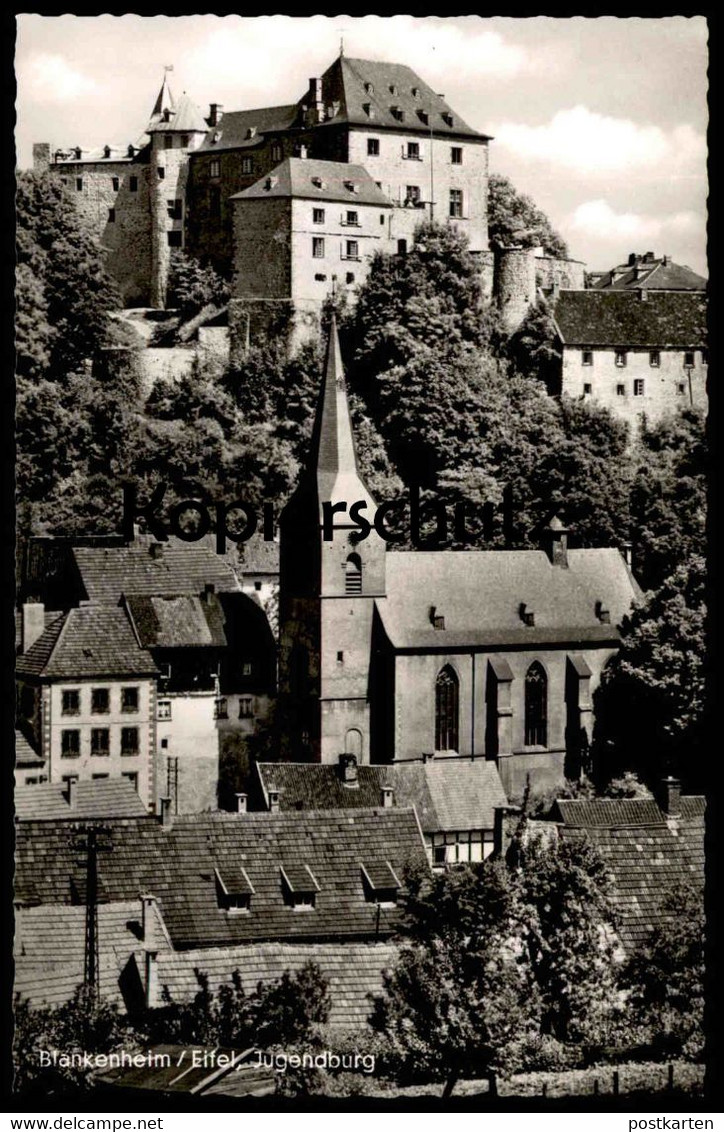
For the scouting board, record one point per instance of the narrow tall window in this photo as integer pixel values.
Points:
(456, 202)
(115, 184)
(373, 147)
(689, 358)
(620, 357)
(318, 247)
(353, 574)
(654, 358)
(447, 697)
(536, 706)
(456, 155)
(215, 168)
(247, 165)
(639, 387)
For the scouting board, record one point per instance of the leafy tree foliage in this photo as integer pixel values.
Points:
(514, 219)
(191, 286)
(534, 349)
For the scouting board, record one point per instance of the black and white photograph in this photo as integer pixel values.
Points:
(361, 673)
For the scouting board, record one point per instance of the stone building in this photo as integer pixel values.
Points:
(636, 352)
(393, 654)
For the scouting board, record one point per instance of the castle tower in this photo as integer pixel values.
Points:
(327, 589)
(515, 285)
(176, 128)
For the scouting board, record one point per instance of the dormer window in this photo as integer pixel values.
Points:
(270, 183)
(527, 615)
(415, 92)
(368, 109)
(448, 118)
(319, 183)
(423, 116)
(300, 887)
(106, 151)
(369, 88)
(351, 186)
(603, 613)
(251, 132)
(234, 890)
(381, 884)
(393, 88)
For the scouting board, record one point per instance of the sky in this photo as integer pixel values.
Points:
(601, 121)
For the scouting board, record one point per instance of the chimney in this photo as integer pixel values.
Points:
(216, 113)
(156, 550)
(149, 923)
(626, 551)
(603, 613)
(348, 769)
(166, 815)
(303, 152)
(33, 624)
(241, 801)
(273, 801)
(666, 260)
(643, 294)
(648, 257)
(71, 793)
(150, 978)
(387, 799)
(632, 259)
(670, 795)
(557, 543)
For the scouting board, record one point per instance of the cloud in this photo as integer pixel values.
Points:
(596, 218)
(51, 78)
(589, 143)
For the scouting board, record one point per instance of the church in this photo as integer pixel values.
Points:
(397, 655)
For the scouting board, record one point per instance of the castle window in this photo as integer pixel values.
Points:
(456, 155)
(412, 194)
(689, 358)
(71, 702)
(620, 390)
(318, 215)
(215, 202)
(215, 168)
(161, 172)
(639, 387)
(168, 141)
(587, 357)
(536, 706)
(680, 388)
(129, 740)
(456, 203)
(373, 147)
(69, 744)
(175, 239)
(277, 153)
(620, 358)
(247, 165)
(79, 184)
(402, 247)
(174, 209)
(587, 388)
(412, 151)
(351, 250)
(100, 741)
(115, 184)
(382, 218)
(163, 709)
(654, 358)
(447, 697)
(318, 247)
(353, 574)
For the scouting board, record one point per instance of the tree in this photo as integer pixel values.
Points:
(514, 219)
(191, 286)
(534, 348)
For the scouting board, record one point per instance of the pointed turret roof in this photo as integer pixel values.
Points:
(169, 114)
(165, 101)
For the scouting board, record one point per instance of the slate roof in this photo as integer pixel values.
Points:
(50, 945)
(665, 320)
(651, 274)
(257, 556)
(493, 584)
(90, 641)
(25, 753)
(48, 801)
(448, 794)
(354, 972)
(184, 117)
(647, 854)
(235, 125)
(174, 622)
(178, 866)
(182, 568)
(296, 177)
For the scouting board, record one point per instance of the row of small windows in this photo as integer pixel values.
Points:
(100, 700)
(447, 708)
(639, 388)
(348, 251)
(131, 775)
(299, 886)
(100, 742)
(412, 151)
(621, 358)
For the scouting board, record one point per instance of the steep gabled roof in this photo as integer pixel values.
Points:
(309, 179)
(90, 641)
(110, 797)
(246, 129)
(183, 117)
(181, 568)
(665, 319)
(653, 274)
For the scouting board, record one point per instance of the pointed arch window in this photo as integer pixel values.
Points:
(353, 574)
(447, 708)
(536, 706)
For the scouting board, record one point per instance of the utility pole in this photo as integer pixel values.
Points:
(91, 841)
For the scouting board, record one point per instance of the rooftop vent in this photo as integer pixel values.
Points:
(251, 132)
(603, 613)
(368, 109)
(448, 118)
(437, 620)
(527, 615)
(348, 769)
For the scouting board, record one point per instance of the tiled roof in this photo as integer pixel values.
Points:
(310, 179)
(494, 584)
(665, 319)
(650, 275)
(184, 117)
(448, 793)
(178, 865)
(50, 949)
(110, 797)
(257, 556)
(181, 568)
(647, 854)
(25, 754)
(353, 970)
(91, 641)
(49, 617)
(244, 129)
(172, 622)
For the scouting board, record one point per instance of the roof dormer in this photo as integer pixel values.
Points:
(300, 886)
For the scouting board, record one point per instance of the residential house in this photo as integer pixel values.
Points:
(649, 273)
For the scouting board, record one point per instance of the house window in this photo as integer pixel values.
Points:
(447, 696)
(246, 668)
(247, 165)
(129, 740)
(456, 155)
(163, 709)
(654, 358)
(320, 278)
(111, 215)
(71, 701)
(185, 141)
(318, 247)
(161, 172)
(351, 249)
(318, 215)
(680, 388)
(373, 147)
(133, 184)
(175, 239)
(689, 358)
(277, 152)
(620, 390)
(639, 387)
(100, 741)
(349, 277)
(353, 574)
(412, 152)
(620, 357)
(587, 357)
(587, 388)
(79, 184)
(382, 218)
(352, 219)
(412, 194)
(402, 247)
(174, 209)
(221, 708)
(129, 699)
(536, 706)
(132, 776)
(100, 701)
(168, 141)
(97, 777)
(246, 707)
(456, 202)
(115, 184)
(70, 744)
